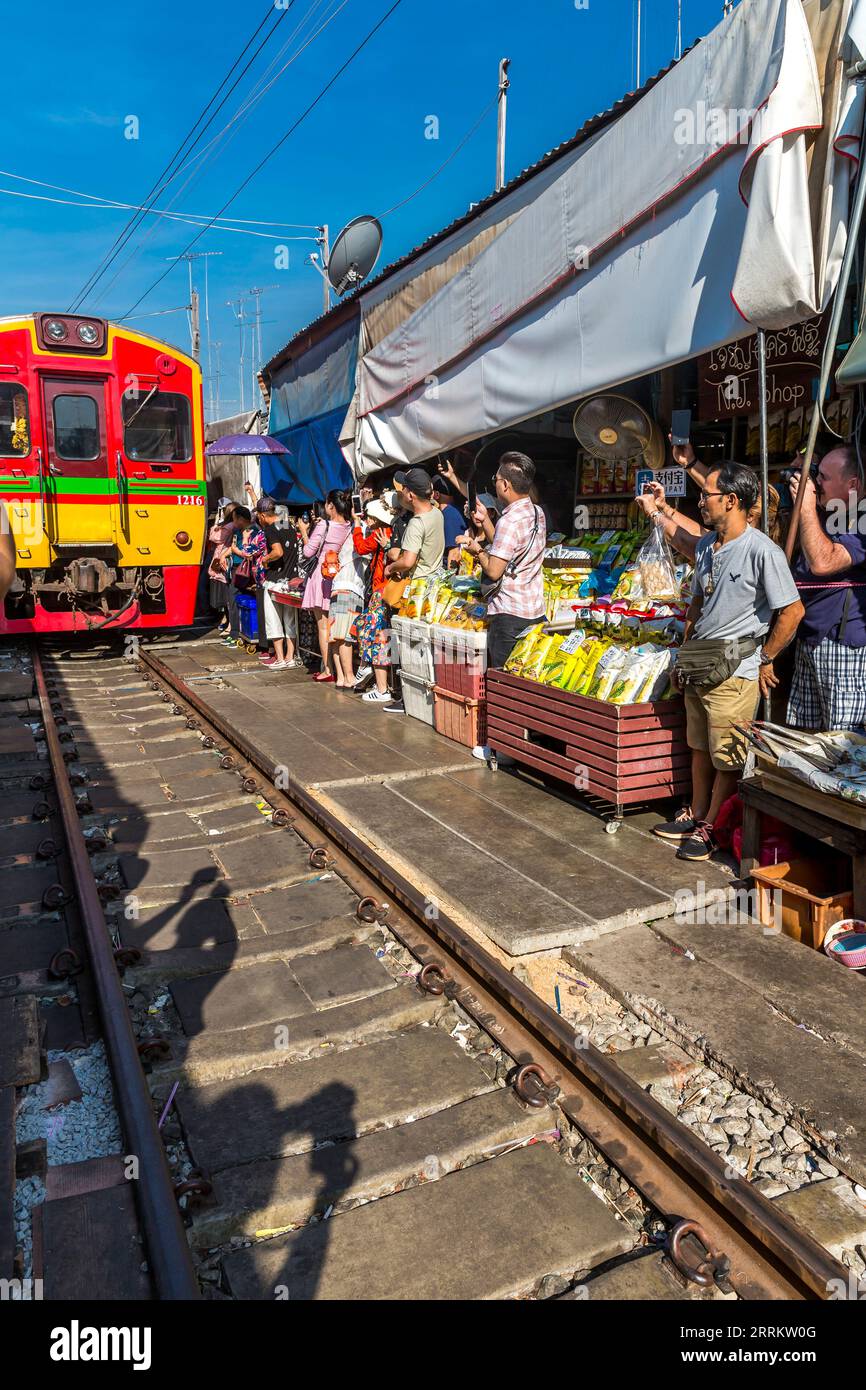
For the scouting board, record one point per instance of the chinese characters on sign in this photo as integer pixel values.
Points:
(673, 480)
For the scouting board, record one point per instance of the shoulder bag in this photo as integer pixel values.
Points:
(490, 587)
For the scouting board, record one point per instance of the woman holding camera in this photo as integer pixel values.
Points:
(323, 545)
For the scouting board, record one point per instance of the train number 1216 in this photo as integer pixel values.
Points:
(186, 499)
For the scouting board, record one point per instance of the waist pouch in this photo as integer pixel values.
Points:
(707, 661)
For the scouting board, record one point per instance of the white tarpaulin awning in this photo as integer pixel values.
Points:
(703, 211)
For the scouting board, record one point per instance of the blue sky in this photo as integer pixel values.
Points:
(363, 149)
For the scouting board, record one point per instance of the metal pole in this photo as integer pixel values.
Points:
(637, 71)
(827, 360)
(765, 475)
(504, 84)
(218, 350)
(195, 332)
(325, 244)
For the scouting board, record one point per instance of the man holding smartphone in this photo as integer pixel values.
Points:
(511, 563)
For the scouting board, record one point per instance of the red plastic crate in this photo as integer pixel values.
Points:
(459, 717)
(459, 678)
(460, 661)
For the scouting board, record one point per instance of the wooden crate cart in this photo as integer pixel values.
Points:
(620, 755)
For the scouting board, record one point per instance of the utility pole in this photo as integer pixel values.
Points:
(325, 244)
(195, 332)
(239, 315)
(504, 84)
(217, 346)
(637, 81)
(256, 293)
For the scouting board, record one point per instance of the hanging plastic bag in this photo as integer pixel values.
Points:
(656, 568)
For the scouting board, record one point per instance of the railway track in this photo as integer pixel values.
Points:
(325, 1087)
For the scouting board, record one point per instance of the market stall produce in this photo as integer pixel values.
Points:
(593, 705)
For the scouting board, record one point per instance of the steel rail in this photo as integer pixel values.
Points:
(771, 1256)
(168, 1252)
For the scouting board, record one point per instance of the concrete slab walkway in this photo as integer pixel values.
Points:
(531, 869)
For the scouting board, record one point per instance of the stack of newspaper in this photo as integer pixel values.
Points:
(833, 762)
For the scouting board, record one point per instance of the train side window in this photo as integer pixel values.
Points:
(76, 428)
(14, 421)
(158, 431)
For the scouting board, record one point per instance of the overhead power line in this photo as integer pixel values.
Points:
(168, 173)
(282, 140)
(220, 142)
(104, 202)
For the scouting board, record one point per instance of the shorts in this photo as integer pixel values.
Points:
(281, 620)
(342, 613)
(828, 690)
(711, 714)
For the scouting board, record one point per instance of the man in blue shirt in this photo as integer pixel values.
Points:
(455, 524)
(829, 686)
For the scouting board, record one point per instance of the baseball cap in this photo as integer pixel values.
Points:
(400, 477)
(266, 505)
(390, 500)
(419, 482)
(442, 485)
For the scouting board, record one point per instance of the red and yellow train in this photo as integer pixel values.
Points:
(102, 480)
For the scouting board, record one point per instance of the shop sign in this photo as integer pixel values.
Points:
(673, 480)
(728, 377)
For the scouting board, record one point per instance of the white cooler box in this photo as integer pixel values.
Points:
(414, 648)
(417, 697)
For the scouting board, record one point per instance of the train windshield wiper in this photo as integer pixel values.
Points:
(151, 393)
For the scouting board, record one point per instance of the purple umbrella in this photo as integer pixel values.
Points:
(246, 444)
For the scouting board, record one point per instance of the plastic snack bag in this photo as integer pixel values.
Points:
(532, 668)
(656, 567)
(609, 666)
(522, 649)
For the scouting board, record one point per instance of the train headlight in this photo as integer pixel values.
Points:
(56, 330)
(182, 538)
(88, 333)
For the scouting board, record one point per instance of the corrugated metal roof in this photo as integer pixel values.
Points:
(589, 127)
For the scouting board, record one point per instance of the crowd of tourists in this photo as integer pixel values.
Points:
(347, 563)
(346, 566)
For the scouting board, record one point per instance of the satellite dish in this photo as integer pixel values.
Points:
(354, 253)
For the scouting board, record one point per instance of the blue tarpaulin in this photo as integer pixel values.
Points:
(310, 395)
(315, 465)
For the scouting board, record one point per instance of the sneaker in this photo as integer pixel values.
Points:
(363, 678)
(377, 697)
(231, 642)
(393, 706)
(486, 754)
(267, 660)
(680, 828)
(699, 845)
(276, 665)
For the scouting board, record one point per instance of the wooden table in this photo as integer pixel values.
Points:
(828, 819)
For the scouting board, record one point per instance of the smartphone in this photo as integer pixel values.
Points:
(681, 422)
(472, 497)
(357, 504)
(647, 487)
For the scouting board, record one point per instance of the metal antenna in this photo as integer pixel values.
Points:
(679, 28)
(239, 315)
(189, 257)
